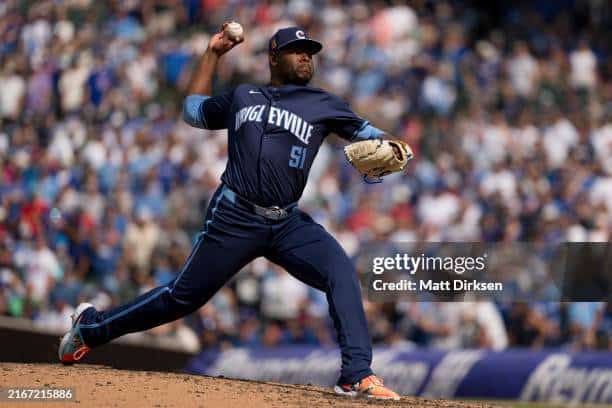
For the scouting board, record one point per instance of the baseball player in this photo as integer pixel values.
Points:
(274, 133)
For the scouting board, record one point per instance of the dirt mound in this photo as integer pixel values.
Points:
(101, 386)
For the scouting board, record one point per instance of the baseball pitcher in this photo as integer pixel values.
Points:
(274, 133)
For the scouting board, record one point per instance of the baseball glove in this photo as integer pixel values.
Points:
(376, 158)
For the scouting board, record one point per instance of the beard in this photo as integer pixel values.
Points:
(300, 78)
(297, 75)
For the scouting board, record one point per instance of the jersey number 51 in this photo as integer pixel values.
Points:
(297, 157)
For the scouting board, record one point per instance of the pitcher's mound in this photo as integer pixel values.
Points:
(101, 386)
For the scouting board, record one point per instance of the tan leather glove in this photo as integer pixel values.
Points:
(376, 158)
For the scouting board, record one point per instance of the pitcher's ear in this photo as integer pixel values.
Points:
(273, 58)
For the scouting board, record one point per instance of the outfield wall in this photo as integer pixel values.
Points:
(554, 376)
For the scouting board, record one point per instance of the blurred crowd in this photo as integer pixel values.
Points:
(102, 187)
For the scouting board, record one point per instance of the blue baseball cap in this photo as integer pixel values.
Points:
(292, 35)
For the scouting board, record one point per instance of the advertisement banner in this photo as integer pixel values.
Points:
(553, 376)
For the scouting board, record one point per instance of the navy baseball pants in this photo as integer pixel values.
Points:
(233, 236)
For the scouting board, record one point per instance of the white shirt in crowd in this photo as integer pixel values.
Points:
(141, 75)
(495, 141)
(440, 210)
(558, 140)
(13, 88)
(602, 143)
(140, 239)
(523, 141)
(583, 68)
(503, 182)
(36, 34)
(72, 88)
(282, 296)
(523, 70)
(41, 267)
(601, 193)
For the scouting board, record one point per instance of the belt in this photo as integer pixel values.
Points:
(272, 213)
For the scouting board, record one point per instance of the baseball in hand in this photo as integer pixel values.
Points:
(234, 31)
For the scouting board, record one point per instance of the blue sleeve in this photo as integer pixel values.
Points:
(206, 112)
(367, 131)
(348, 125)
(192, 111)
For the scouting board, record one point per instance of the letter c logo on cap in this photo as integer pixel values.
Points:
(300, 34)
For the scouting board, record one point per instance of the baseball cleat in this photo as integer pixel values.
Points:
(370, 387)
(72, 348)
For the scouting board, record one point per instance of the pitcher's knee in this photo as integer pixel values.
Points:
(186, 304)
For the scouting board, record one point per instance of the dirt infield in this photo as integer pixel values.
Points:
(101, 386)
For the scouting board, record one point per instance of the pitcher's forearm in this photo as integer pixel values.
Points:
(202, 77)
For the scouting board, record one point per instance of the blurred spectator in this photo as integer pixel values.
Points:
(13, 90)
(583, 64)
(282, 295)
(523, 70)
(141, 237)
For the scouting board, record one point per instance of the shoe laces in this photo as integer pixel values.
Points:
(372, 380)
(76, 341)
